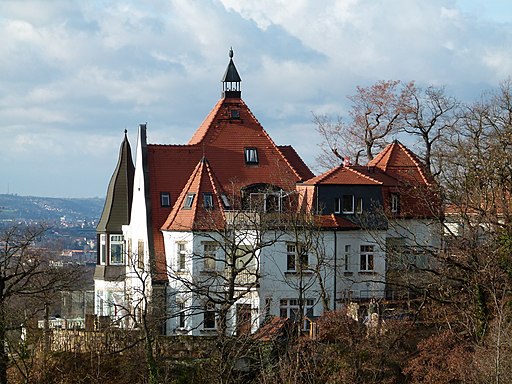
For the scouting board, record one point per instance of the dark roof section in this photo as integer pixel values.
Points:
(296, 161)
(231, 80)
(118, 202)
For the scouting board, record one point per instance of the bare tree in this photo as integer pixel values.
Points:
(374, 116)
(28, 279)
(225, 267)
(428, 113)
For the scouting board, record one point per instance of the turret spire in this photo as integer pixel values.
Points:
(231, 80)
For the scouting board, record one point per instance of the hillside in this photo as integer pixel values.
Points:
(48, 209)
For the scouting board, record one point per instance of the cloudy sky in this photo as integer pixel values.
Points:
(75, 74)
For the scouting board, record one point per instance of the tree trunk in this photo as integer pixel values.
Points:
(4, 357)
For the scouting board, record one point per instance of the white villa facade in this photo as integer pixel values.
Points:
(231, 229)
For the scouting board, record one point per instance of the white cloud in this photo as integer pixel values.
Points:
(78, 73)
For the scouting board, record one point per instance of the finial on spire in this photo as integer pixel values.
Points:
(231, 52)
(125, 131)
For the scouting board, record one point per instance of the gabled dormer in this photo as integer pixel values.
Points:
(201, 204)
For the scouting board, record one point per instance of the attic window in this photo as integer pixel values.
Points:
(337, 205)
(359, 204)
(165, 199)
(208, 201)
(189, 200)
(251, 156)
(348, 204)
(225, 201)
(235, 114)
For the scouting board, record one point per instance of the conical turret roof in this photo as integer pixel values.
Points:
(118, 201)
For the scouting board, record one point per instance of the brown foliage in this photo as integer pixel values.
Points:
(442, 358)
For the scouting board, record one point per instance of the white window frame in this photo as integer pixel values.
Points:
(208, 200)
(337, 205)
(189, 200)
(347, 257)
(294, 258)
(225, 201)
(289, 308)
(165, 199)
(103, 249)
(209, 255)
(140, 254)
(367, 258)
(251, 155)
(181, 255)
(359, 205)
(347, 211)
(209, 310)
(395, 202)
(116, 241)
(262, 197)
(182, 316)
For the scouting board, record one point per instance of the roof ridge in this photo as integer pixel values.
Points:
(216, 190)
(323, 176)
(363, 175)
(296, 153)
(200, 133)
(415, 160)
(381, 155)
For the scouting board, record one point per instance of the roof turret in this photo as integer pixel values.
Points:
(231, 80)
(118, 202)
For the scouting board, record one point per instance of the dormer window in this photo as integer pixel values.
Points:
(251, 156)
(359, 205)
(225, 201)
(235, 114)
(348, 204)
(165, 199)
(208, 201)
(189, 200)
(337, 205)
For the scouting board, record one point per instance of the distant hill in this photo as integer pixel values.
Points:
(48, 209)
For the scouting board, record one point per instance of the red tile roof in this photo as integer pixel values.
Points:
(276, 328)
(354, 175)
(197, 217)
(221, 138)
(335, 222)
(296, 161)
(398, 161)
